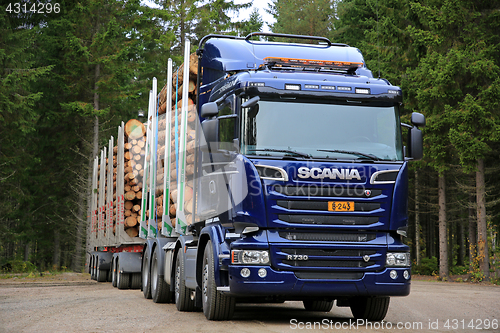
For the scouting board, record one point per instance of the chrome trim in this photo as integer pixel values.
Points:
(375, 175)
(282, 171)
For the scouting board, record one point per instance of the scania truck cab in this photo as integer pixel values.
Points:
(301, 188)
(311, 152)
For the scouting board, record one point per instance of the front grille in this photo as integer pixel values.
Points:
(329, 252)
(327, 263)
(323, 205)
(329, 275)
(334, 191)
(329, 219)
(327, 237)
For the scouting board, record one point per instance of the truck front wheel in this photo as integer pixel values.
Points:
(160, 290)
(216, 306)
(183, 300)
(320, 306)
(369, 308)
(146, 274)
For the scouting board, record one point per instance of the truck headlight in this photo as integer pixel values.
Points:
(250, 257)
(398, 259)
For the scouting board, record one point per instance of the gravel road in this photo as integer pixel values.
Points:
(73, 303)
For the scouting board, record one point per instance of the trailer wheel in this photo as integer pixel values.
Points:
(135, 280)
(113, 274)
(146, 274)
(369, 308)
(320, 306)
(101, 275)
(160, 290)
(92, 268)
(122, 279)
(216, 306)
(183, 300)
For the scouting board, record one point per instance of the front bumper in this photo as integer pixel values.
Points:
(286, 285)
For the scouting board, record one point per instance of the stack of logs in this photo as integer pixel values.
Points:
(190, 143)
(97, 226)
(135, 149)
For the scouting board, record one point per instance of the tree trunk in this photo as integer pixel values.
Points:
(472, 233)
(482, 229)
(461, 243)
(417, 219)
(27, 251)
(56, 253)
(77, 258)
(443, 243)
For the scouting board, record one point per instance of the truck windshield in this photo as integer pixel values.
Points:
(336, 131)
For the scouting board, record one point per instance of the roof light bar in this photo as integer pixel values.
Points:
(324, 64)
(292, 86)
(344, 88)
(311, 86)
(365, 91)
(257, 84)
(328, 87)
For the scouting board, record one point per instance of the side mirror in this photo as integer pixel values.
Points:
(418, 119)
(416, 143)
(210, 128)
(251, 102)
(209, 110)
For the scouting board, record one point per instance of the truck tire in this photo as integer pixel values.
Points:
(101, 275)
(160, 290)
(216, 306)
(135, 280)
(122, 279)
(113, 273)
(320, 306)
(92, 268)
(183, 300)
(146, 275)
(369, 308)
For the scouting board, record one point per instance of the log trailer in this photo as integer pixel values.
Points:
(266, 172)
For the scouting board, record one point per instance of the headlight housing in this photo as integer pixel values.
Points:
(398, 259)
(250, 257)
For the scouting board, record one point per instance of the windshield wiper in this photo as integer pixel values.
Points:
(283, 151)
(350, 152)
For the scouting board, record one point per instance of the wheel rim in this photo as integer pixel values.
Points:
(205, 283)
(154, 276)
(145, 275)
(177, 283)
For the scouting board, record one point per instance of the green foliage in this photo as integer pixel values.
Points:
(459, 270)
(18, 266)
(428, 266)
(312, 18)
(254, 24)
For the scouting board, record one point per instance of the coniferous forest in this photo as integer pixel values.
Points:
(71, 74)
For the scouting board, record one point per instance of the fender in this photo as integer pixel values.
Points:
(130, 262)
(148, 248)
(216, 234)
(157, 244)
(104, 260)
(171, 253)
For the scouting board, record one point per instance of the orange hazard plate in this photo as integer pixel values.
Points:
(341, 206)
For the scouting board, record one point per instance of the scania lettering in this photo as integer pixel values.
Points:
(317, 173)
(279, 173)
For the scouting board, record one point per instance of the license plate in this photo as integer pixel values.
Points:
(341, 206)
